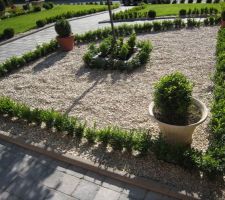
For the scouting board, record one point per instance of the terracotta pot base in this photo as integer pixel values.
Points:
(66, 43)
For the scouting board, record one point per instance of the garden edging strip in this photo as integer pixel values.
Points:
(109, 172)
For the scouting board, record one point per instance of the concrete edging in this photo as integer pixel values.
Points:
(109, 172)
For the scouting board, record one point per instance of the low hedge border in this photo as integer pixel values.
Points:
(67, 15)
(137, 59)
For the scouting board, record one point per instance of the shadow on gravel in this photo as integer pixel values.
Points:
(49, 61)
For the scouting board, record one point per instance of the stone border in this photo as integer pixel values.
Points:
(22, 35)
(94, 167)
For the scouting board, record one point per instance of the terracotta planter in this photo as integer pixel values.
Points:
(66, 43)
(222, 23)
(180, 134)
(37, 3)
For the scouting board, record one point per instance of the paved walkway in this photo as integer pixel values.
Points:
(26, 175)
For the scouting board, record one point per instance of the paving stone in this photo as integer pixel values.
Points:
(25, 188)
(61, 182)
(156, 196)
(60, 166)
(125, 197)
(106, 194)
(6, 177)
(55, 195)
(94, 177)
(76, 171)
(113, 185)
(8, 196)
(86, 190)
(134, 192)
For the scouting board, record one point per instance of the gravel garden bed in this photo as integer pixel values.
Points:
(61, 81)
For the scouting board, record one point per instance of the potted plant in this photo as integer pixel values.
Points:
(65, 37)
(175, 110)
(223, 19)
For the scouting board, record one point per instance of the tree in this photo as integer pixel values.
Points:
(111, 20)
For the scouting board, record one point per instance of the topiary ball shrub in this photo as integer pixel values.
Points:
(41, 23)
(151, 14)
(182, 13)
(26, 7)
(63, 28)
(172, 98)
(8, 33)
(37, 9)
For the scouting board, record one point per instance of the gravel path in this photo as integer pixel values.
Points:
(110, 97)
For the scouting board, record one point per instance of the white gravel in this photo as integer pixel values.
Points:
(60, 81)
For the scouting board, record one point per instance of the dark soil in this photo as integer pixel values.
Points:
(193, 116)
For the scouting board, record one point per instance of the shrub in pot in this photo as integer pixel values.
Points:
(223, 19)
(65, 37)
(175, 110)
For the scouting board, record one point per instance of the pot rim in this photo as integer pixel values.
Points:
(58, 37)
(198, 103)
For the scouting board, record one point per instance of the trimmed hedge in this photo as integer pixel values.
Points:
(7, 34)
(19, 62)
(68, 15)
(118, 55)
(214, 159)
(203, 12)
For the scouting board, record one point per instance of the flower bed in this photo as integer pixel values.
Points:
(118, 54)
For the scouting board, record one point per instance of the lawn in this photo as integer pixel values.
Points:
(26, 22)
(173, 9)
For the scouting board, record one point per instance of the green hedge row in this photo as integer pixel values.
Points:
(15, 63)
(148, 27)
(117, 138)
(214, 159)
(68, 15)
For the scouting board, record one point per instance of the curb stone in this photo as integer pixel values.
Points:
(94, 167)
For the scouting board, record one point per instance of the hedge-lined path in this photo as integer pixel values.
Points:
(28, 175)
(28, 43)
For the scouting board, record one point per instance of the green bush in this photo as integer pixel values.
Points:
(172, 98)
(182, 13)
(151, 14)
(37, 9)
(63, 28)
(8, 33)
(124, 51)
(41, 23)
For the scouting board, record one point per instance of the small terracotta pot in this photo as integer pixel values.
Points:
(222, 23)
(66, 43)
(181, 135)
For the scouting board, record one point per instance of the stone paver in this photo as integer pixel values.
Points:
(31, 176)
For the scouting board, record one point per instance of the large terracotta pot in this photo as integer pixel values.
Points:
(180, 134)
(222, 23)
(66, 43)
